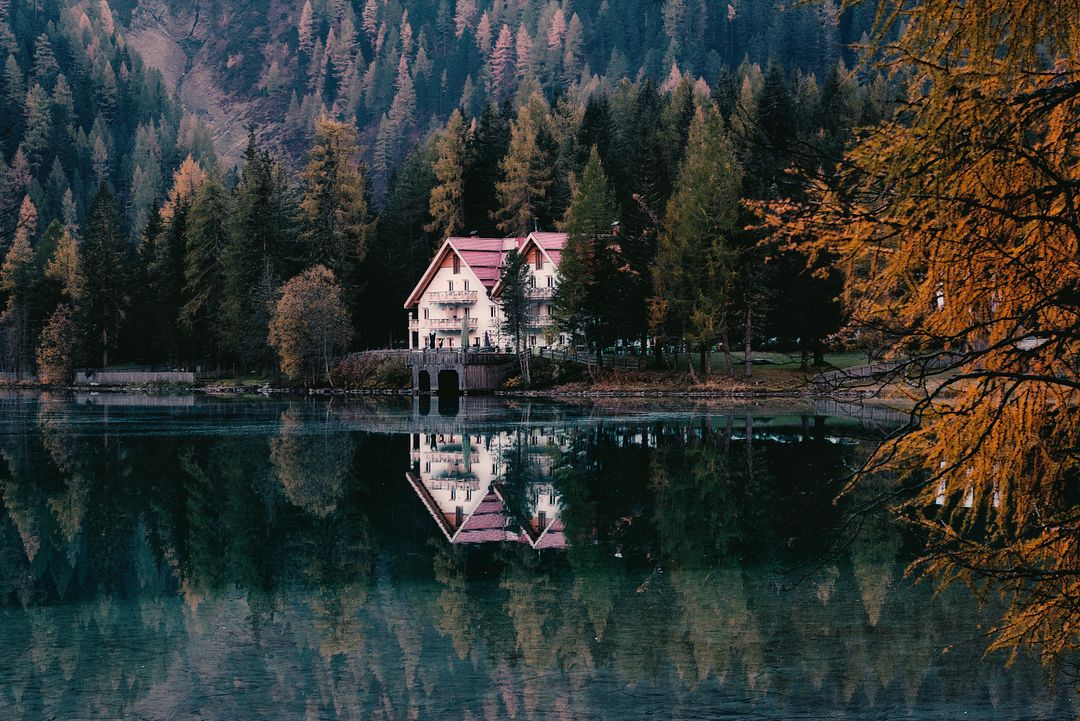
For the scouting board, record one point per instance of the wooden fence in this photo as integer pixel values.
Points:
(589, 359)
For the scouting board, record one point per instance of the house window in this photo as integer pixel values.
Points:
(466, 285)
(468, 494)
(450, 286)
(539, 260)
(542, 518)
(532, 281)
(453, 493)
(551, 281)
(457, 264)
(466, 312)
(459, 515)
(427, 467)
(532, 340)
(426, 316)
(492, 311)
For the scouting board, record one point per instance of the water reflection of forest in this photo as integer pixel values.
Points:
(281, 566)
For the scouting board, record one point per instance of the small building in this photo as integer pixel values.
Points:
(457, 298)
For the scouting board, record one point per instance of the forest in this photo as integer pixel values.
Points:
(125, 240)
(902, 177)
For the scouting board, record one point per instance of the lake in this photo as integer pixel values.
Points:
(183, 557)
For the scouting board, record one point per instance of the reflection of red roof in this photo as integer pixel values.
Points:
(488, 522)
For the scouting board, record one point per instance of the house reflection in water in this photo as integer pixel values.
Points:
(462, 481)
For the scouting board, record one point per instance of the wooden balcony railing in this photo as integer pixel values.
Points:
(448, 297)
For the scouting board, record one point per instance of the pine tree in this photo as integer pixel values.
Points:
(592, 278)
(694, 267)
(524, 66)
(257, 256)
(502, 65)
(333, 213)
(490, 144)
(447, 202)
(305, 28)
(526, 171)
(465, 16)
(517, 307)
(38, 118)
(45, 65)
(369, 19)
(105, 270)
(18, 278)
(204, 244)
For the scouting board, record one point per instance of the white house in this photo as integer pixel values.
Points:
(457, 298)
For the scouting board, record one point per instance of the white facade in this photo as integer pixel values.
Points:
(454, 297)
(460, 290)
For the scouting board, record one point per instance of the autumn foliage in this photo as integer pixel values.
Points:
(958, 222)
(310, 324)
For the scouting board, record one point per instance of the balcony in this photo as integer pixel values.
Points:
(452, 297)
(541, 321)
(449, 323)
(414, 324)
(540, 293)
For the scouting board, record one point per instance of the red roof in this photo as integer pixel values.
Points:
(485, 256)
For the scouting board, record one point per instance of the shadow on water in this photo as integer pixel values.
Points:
(165, 557)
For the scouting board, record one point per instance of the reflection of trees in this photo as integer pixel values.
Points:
(354, 614)
(313, 461)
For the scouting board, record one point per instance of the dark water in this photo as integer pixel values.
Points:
(181, 558)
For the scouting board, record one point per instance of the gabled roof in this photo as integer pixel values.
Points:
(550, 244)
(482, 255)
(485, 256)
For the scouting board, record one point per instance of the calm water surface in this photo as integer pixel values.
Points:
(192, 558)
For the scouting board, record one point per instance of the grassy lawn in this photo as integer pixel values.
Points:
(778, 363)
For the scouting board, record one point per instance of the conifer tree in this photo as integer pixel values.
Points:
(526, 171)
(18, 281)
(204, 243)
(105, 269)
(517, 307)
(333, 214)
(694, 267)
(591, 283)
(447, 203)
(258, 252)
(502, 65)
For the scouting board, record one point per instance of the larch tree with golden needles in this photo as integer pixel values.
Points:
(447, 201)
(333, 218)
(959, 224)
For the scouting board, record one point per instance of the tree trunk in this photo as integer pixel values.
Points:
(804, 359)
(690, 363)
(727, 354)
(748, 361)
(104, 349)
(819, 355)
